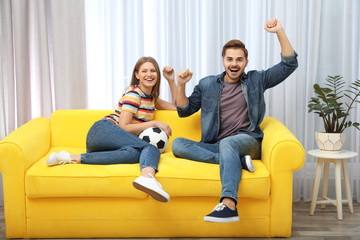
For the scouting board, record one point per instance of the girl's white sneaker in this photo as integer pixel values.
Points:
(152, 187)
(60, 158)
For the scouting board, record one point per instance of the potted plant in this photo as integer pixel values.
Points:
(331, 106)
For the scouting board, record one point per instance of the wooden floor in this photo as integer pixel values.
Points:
(322, 226)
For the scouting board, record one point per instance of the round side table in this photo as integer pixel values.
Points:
(339, 159)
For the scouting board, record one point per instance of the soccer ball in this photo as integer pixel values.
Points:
(155, 136)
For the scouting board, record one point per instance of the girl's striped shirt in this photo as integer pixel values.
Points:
(137, 102)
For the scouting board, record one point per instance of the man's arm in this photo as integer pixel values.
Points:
(274, 26)
(183, 77)
(288, 64)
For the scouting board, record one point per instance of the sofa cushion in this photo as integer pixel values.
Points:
(179, 177)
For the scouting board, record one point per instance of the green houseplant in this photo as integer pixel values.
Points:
(331, 105)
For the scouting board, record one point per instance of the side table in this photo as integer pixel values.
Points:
(339, 159)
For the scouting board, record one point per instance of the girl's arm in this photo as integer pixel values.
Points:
(164, 105)
(137, 128)
(169, 75)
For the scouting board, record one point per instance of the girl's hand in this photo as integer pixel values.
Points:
(169, 73)
(164, 127)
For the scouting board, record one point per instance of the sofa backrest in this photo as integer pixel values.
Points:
(189, 127)
(70, 127)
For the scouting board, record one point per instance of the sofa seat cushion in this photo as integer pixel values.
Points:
(179, 178)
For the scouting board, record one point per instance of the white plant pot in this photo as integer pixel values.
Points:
(330, 142)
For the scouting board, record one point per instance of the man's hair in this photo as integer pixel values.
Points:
(235, 44)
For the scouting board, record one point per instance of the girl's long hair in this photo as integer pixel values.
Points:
(134, 81)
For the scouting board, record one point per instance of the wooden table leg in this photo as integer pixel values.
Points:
(347, 185)
(325, 182)
(338, 189)
(316, 186)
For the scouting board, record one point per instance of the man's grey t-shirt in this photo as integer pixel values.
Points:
(233, 110)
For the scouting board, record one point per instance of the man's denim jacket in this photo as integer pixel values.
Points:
(207, 93)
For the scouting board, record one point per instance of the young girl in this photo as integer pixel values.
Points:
(113, 139)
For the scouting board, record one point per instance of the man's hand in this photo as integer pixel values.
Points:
(273, 25)
(184, 76)
(169, 73)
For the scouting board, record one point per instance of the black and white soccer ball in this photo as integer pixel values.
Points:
(155, 136)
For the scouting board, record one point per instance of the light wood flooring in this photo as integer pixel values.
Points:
(322, 226)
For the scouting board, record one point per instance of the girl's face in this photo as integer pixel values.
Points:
(147, 76)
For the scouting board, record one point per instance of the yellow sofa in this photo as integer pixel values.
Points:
(99, 201)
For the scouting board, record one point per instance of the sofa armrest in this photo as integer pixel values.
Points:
(282, 154)
(281, 150)
(18, 151)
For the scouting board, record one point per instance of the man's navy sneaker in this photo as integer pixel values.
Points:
(247, 163)
(222, 214)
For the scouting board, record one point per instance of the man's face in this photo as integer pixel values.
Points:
(234, 63)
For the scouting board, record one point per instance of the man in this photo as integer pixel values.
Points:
(232, 108)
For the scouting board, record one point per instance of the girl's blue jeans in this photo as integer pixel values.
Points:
(107, 143)
(226, 152)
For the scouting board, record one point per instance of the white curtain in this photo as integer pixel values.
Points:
(80, 54)
(42, 63)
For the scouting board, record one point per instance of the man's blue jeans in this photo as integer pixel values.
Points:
(227, 152)
(107, 143)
